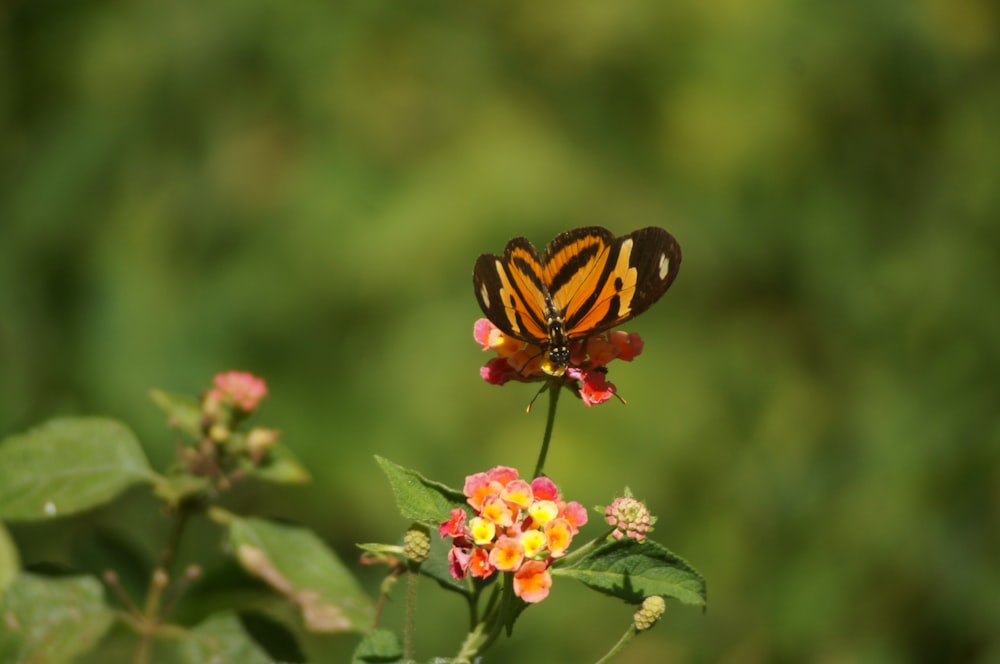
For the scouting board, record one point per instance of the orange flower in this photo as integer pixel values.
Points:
(507, 554)
(532, 581)
(559, 535)
(480, 566)
(518, 494)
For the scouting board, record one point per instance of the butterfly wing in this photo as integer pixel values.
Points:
(598, 281)
(511, 291)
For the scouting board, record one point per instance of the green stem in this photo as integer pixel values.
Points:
(554, 389)
(478, 636)
(409, 627)
(618, 647)
(473, 642)
(176, 531)
(498, 615)
(151, 615)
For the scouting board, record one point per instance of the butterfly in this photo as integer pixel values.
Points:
(586, 282)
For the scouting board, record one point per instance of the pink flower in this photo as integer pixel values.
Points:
(575, 514)
(502, 474)
(594, 388)
(629, 345)
(243, 389)
(455, 525)
(458, 562)
(544, 489)
(498, 371)
(586, 374)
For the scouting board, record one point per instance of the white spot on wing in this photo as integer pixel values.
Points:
(664, 266)
(484, 295)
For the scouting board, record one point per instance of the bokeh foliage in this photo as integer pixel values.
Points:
(301, 189)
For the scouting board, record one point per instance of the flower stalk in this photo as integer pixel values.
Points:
(554, 391)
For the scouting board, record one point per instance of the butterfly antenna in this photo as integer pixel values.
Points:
(532, 402)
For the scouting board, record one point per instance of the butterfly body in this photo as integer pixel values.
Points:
(585, 282)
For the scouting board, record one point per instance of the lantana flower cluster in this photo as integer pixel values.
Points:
(587, 372)
(518, 527)
(629, 517)
(233, 397)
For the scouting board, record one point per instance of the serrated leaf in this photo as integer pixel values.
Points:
(51, 620)
(183, 412)
(280, 467)
(68, 465)
(379, 645)
(297, 564)
(418, 498)
(633, 571)
(10, 561)
(221, 638)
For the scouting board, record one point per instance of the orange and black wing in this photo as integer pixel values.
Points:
(511, 291)
(597, 281)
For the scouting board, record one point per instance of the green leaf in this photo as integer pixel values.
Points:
(221, 638)
(68, 465)
(10, 562)
(280, 467)
(183, 412)
(297, 564)
(51, 620)
(418, 498)
(379, 645)
(633, 571)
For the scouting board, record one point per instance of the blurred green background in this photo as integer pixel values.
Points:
(301, 189)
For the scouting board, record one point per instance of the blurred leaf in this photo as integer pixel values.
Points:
(274, 632)
(10, 562)
(633, 571)
(280, 467)
(417, 497)
(183, 412)
(68, 465)
(296, 563)
(105, 548)
(221, 638)
(379, 645)
(51, 620)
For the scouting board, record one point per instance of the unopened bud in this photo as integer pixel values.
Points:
(417, 544)
(650, 611)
